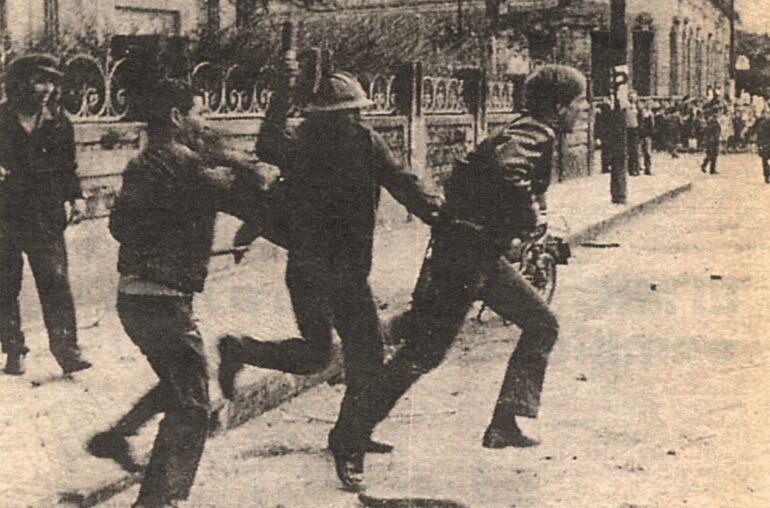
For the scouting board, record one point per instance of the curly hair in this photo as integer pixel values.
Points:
(551, 86)
(166, 95)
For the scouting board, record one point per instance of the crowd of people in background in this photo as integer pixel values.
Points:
(679, 125)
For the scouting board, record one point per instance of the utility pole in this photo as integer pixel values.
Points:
(617, 55)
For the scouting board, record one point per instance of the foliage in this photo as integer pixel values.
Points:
(362, 43)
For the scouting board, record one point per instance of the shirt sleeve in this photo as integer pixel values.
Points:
(402, 184)
(71, 182)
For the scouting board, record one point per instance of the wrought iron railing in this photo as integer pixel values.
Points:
(443, 95)
(500, 97)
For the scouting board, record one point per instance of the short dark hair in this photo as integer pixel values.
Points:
(551, 86)
(167, 95)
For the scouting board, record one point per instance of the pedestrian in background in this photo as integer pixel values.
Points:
(333, 167)
(646, 132)
(164, 221)
(761, 132)
(40, 195)
(491, 199)
(603, 132)
(711, 140)
(632, 134)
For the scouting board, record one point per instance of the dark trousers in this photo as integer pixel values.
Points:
(47, 256)
(645, 144)
(323, 299)
(632, 150)
(710, 160)
(165, 332)
(766, 165)
(606, 157)
(459, 272)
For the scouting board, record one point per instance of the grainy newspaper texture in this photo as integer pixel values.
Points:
(384, 253)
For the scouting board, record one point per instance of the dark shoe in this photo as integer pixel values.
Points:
(714, 172)
(72, 364)
(349, 460)
(499, 438)
(349, 465)
(14, 364)
(229, 365)
(378, 447)
(111, 445)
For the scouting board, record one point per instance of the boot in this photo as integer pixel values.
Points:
(229, 365)
(496, 437)
(14, 364)
(348, 463)
(71, 363)
(111, 445)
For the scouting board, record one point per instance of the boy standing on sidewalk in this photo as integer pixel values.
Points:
(164, 220)
(39, 195)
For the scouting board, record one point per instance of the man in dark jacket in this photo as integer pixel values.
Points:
(39, 194)
(761, 130)
(646, 132)
(711, 135)
(631, 111)
(602, 131)
(333, 167)
(491, 199)
(164, 220)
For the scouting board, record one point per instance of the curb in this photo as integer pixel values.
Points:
(274, 388)
(600, 227)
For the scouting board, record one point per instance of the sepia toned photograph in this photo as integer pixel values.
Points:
(384, 253)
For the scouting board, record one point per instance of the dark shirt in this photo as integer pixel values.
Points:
(165, 214)
(762, 131)
(332, 175)
(646, 124)
(711, 134)
(42, 171)
(496, 187)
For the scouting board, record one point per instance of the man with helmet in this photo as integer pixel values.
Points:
(39, 195)
(333, 167)
(491, 198)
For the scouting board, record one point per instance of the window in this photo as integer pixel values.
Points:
(673, 41)
(245, 10)
(51, 17)
(642, 61)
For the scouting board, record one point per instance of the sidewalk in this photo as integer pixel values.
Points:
(44, 427)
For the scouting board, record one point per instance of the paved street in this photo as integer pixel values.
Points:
(656, 393)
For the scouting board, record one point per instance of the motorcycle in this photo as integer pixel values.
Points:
(536, 258)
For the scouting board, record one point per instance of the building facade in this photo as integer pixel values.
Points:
(675, 47)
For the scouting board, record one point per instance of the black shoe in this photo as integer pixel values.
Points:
(349, 460)
(111, 445)
(378, 447)
(72, 364)
(714, 173)
(349, 465)
(500, 438)
(70, 361)
(14, 364)
(229, 365)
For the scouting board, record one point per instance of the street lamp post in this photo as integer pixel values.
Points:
(617, 138)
